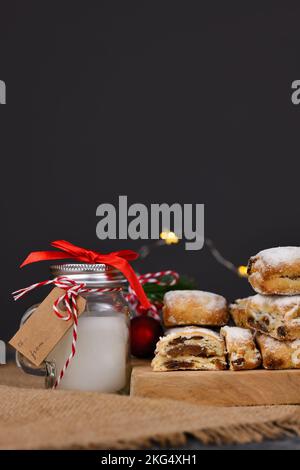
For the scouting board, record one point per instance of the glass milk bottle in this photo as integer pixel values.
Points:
(102, 359)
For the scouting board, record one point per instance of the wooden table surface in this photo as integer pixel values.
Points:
(193, 444)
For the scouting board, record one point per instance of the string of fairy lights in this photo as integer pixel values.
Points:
(169, 238)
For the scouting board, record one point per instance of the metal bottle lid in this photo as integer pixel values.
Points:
(93, 275)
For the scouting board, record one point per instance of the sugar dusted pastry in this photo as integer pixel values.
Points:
(194, 307)
(276, 316)
(190, 348)
(241, 349)
(279, 354)
(276, 271)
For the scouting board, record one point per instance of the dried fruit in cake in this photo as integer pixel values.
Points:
(190, 348)
(241, 348)
(279, 354)
(274, 315)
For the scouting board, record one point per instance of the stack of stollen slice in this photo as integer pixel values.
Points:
(190, 343)
(264, 331)
(198, 337)
(274, 312)
(267, 325)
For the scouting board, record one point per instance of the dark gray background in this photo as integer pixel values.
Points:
(162, 101)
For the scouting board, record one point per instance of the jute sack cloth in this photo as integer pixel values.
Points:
(34, 418)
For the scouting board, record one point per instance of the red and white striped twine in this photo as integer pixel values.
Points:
(73, 290)
(151, 278)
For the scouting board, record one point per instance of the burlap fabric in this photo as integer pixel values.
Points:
(34, 418)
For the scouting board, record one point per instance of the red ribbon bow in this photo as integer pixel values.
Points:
(117, 259)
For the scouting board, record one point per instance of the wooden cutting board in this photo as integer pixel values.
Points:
(222, 388)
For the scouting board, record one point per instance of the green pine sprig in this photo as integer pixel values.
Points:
(156, 292)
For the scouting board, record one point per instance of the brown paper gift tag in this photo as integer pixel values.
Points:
(43, 330)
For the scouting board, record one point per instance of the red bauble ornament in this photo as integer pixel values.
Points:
(144, 334)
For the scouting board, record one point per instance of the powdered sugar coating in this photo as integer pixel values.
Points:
(236, 333)
(277, 348)
(273, 300)
(274, 257)
(270, 343)
(210, 300)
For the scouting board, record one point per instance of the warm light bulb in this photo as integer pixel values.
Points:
(169, 237)
(242, 271)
